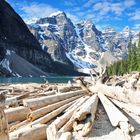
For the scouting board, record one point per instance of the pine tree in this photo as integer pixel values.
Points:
(131, 64)
(134, 59)
(138, 54)
(130, 56)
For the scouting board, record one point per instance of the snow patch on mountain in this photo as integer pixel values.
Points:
(83, 44)
(55, 14)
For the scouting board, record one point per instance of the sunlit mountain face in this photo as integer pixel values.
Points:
(79, 35)
(82, 43)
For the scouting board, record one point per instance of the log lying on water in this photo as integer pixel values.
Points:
(118, 93)
(127, 106)
(17, 114)
(36, 132)
(86, 113)
(42, 111)
(43, 101)
(52, 130)
(116, 117)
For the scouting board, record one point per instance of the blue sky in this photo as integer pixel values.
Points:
(103, 13)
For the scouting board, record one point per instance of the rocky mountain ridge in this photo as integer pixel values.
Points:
(81, 44)
(18, 43)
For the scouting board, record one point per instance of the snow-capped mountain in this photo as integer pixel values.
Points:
(21, 53)
(81, 44)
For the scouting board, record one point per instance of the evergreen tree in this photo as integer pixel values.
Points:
(138, 54)
(126, 66)
(130, 56)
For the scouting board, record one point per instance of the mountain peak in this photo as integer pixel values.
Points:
(109, 29)
(86, 23)
(57, 13)
(126, 29)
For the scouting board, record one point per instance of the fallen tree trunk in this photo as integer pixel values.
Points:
(49, 93)
(86, 113)
(17, 114)
(42, 111)
(62, 89)
(44, 101)
(118, 93)
(52, 130)
(3, 121)
(36, 132)
(120, 121)
(127, 106)
(51, 115)
(15, 100)
(21, 124)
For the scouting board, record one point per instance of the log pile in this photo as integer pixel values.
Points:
(55, 111)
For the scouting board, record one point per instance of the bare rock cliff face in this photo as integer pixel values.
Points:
(15, 37)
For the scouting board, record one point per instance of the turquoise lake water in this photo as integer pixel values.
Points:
(58, 79)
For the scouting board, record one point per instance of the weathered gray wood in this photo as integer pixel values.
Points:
(17, 114)
(118, 93)
(52, 130)
(44, 110)
(3, 121)
(36, 132)
(44, 101)
(81, 113)
(116, 117)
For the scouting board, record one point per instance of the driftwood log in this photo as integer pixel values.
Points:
(44, 101)
(51, 115)
(86, 111)
(44, 110)
(36, 132)
(118, 93)
(17, 114)
(120, 121)
(127, 106)
(3, 121)
(52, 130)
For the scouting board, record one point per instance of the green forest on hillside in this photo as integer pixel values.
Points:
(132, 63)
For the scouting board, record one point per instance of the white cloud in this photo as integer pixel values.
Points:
(74, 18)
(41, 10)
(136, 27)
(135, 15)
(36, 10)
(103, 8)
(129, 3)
(117, 8)
(69, 3)
(90, 3)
